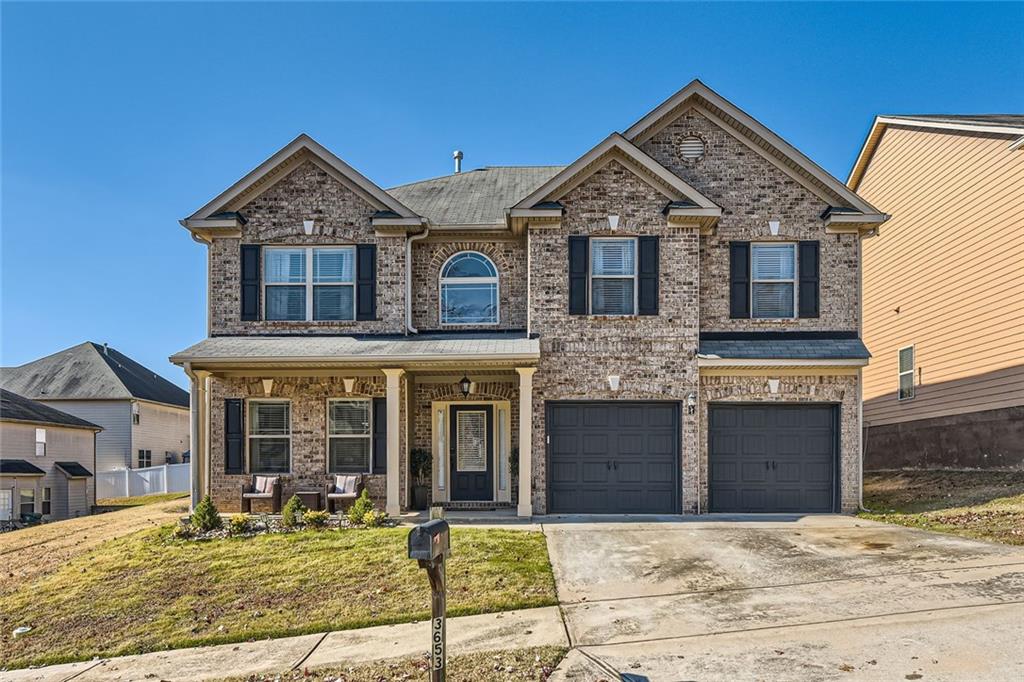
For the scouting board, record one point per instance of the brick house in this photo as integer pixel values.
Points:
(670, 324)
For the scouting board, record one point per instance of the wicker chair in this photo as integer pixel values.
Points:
(343, 491)
(262, 488)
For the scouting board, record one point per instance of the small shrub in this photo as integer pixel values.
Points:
(181, 532)
(374, 518)
(238, 524)
(360, 508)
(316, 519)
(291, 515)
(205, 516)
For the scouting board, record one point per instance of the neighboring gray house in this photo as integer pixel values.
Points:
(47, 460)
(145, 418)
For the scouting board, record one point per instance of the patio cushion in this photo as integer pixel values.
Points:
(264, 484)
(345, 484)
(341, 496)
(257, 495)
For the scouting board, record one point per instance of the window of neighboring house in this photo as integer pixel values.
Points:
(613, 287)
(27, 500)
(469, 290)
(349, 436)
(305, 284)
(773, 280)
(46, 509)
(40, 442)
(270, 439)
(906, 373)
(145, 458)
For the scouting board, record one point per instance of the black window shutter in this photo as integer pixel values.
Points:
(647, 278)
(250, 282)
(739, 279)
(380, 435)
(579, 256)
(234, 437)
(809, 278)
(366, 282)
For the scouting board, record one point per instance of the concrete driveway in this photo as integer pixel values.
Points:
(821, 597)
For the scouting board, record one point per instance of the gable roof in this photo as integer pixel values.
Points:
(1011, 125)
(616, 147)
(753, 133)
(19, 467)
(90, 372)
(476, 197)
(17, 408)
(301, 149)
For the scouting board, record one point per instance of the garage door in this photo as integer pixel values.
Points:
(613, 457)
(772, 458)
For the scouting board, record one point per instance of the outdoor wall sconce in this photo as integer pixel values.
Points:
(466, 386)
(613, 222)
(350, 383)
(773, 227)
(307, 226)
(691, 403)
(268, 386)
(613, 382)
(773, 385)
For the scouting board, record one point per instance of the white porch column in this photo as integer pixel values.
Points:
(394, 395)
(525, 440)
(199, 420)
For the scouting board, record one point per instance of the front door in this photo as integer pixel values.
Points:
(472, 452)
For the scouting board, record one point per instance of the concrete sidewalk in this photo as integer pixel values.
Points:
(468, 634)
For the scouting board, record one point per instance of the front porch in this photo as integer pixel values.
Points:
(450, 428)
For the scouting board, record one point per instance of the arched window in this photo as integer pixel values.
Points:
(469, 290)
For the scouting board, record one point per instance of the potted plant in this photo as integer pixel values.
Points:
(420, 465)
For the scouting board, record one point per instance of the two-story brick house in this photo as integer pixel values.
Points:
(670, 324)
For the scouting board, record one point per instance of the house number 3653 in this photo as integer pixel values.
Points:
(437, 650)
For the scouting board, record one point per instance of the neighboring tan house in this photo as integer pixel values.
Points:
(145, 418)
(47, 460)
(944, 291)
(666, 325)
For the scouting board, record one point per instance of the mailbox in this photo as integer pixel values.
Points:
(429, 541)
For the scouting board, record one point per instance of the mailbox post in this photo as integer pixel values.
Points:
(429, 544)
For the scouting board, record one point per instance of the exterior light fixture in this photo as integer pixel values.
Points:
(691, 403)
(307, 226)
(613, 382)
(350, 383)
(773, 226)
(465, 385)
(268, 386)
(613, 222)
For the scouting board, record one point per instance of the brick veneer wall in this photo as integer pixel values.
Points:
(275, 217)
(308, 396)
(751, 191)
(839, 389)
(654, 356)
(508, 256)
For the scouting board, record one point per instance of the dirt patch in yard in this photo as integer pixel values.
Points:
(986, 505)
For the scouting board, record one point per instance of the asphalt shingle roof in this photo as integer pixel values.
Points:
(476, 197)
(16, 408)
(89, 371)
(14, 467)
(786, 349)
(73, 469)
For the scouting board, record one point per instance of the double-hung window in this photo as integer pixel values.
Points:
(906, 373)
(349, 434)
(613, 287)
(46, 506)
(27, 500)
(40, 442)
(469, 290)
(307, 284)
(270, 436)
(145, 458)
(773, 280)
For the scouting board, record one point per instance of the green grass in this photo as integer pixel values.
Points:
(985, 505)
(138, 501)
(148, 591)
(492, 666)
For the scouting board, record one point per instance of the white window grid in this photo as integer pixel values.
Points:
(309, 283)
(468, 280)
(368, 436)
(591, 276)
(900, 373)
(793, 281)
(250, 436)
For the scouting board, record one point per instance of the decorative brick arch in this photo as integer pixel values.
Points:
(488, 249)
(488, 390)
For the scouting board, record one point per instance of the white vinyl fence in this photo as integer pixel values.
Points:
(168, 478)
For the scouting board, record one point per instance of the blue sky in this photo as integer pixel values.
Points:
(119, 119)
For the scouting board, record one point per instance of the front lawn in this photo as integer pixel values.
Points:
(149, 591)
(533, 664)
(986, 505)
(139, 500)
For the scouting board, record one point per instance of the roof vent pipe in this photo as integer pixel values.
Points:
(457, 155)
(106, 349)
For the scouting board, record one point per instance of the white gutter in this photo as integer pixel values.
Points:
(356, 359)
(716, 361)
(408, 278)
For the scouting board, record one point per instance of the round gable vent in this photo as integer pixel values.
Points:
(692, 148)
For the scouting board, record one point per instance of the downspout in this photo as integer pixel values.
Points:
(408, 279)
